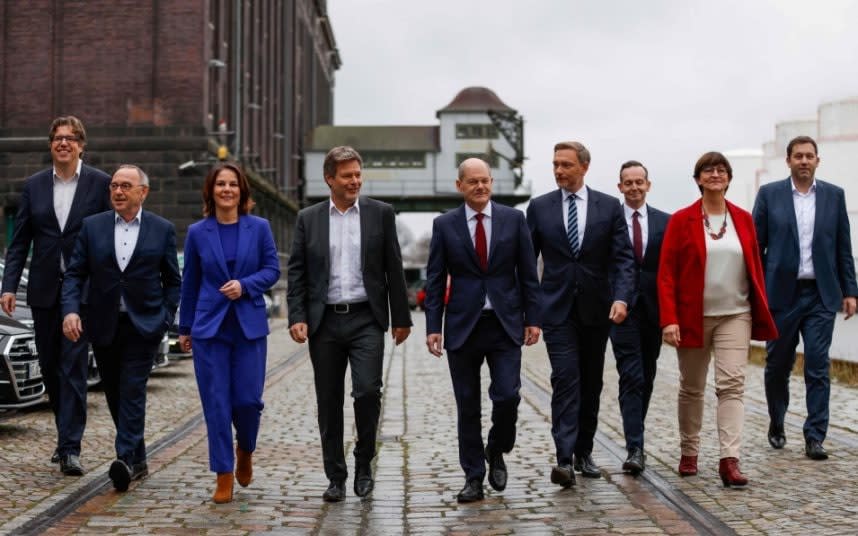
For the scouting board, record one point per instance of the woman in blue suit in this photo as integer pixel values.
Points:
(230, 260)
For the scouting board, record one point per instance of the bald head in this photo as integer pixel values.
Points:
(469, 163)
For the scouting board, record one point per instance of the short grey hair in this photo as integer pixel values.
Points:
(462, 166)
(578, 147)
(338, 155)
(144, 179)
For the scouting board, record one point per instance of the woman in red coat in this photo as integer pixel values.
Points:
(712, 299)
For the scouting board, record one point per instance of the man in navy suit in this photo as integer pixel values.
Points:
(803, 231)
(637, 340)
(588, 280)
(128, 257)
(486, 251)
(52, 206)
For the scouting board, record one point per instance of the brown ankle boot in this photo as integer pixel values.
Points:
(243, 467)
(730, 473)
(223, 493)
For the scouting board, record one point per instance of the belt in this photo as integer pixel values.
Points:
(806, 283)
(346, 308)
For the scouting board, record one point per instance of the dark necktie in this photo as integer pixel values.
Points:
(637, 237)
(572, 229)
(480, 243)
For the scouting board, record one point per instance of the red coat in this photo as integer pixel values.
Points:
(682, 268)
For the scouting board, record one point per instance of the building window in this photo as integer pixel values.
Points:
(468, 131)
(393, 159)
(492, 159)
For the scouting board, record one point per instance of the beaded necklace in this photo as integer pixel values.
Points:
(720, 233)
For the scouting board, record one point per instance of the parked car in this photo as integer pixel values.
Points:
(413, 288)
(21, 382)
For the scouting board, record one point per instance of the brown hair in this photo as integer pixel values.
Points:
(71, 121)
(245, 203)
(798, 140)
(338, 155)
(633, 163)
(581, 151)
(712, 159)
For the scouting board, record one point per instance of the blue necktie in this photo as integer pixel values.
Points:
(572, 229)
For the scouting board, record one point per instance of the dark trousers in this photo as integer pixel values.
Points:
(64, 370)
(577, 356)
(487, 341)
(230, 372)
(815, 323)
(353, 340)
(124, 365)
(637, 344)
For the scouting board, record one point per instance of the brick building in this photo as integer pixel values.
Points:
(163, 83)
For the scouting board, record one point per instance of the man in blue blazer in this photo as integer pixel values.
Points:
(128, 257)
(52, 206)
(637, 340)
(803, 231)
(588, 280)
(485, 250)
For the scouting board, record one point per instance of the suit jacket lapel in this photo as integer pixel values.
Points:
(497, 222)
(213, 238)
(79, 199)
(460, 224)
(363, 217)
(242, 250)
(323, 224)
(821, 209)
(558, 227)
(47, 186)
(592, 207)
(141, 236)
(695, 224)
(788, 203)
(650, 232)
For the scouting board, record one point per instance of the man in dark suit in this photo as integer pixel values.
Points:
(588, 280)
(344, 270)
(486, 251)
(128, 256)
(803, 231)
(637, 340)
(52, 206)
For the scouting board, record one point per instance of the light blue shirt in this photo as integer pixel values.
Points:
(805, 214)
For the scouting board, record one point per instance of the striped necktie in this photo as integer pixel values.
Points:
(572, 228)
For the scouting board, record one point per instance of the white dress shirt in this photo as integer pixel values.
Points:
(629, 213)
(345, 284)
(125, 234)
(805, 214)
(581, 205)
(64, 190)
(471, 218)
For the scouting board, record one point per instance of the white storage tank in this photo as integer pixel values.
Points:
(838, 119)
(787, 130)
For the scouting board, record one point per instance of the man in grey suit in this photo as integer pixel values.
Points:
(803, 231)
(344, 270)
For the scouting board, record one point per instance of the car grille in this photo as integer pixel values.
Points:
(20, 357)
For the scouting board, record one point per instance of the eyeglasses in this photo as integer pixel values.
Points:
(60, 139)
(712, 170)
(124, 186)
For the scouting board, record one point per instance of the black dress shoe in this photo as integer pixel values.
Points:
(336, 491)
(777, 438)
(497, 470)
(70, 465)
(363, 481)
(473, 491)
(139, 470)
(814, 450)
(120, 475)
(585, 465)
(634, 464)
(55, 457)
(563, 475)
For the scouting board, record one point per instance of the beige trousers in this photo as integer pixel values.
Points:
(728, 339)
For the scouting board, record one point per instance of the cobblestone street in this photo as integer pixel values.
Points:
(417, 473)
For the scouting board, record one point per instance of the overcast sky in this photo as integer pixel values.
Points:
(657, 81)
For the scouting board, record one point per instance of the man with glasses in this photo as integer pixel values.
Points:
(128, 256)
(52, 206)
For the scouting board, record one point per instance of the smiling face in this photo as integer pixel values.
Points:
(634, 186)
(568, 170)
(127, 193)
(475, 184)
(66, 147)
(227, 192)
(345, 184)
